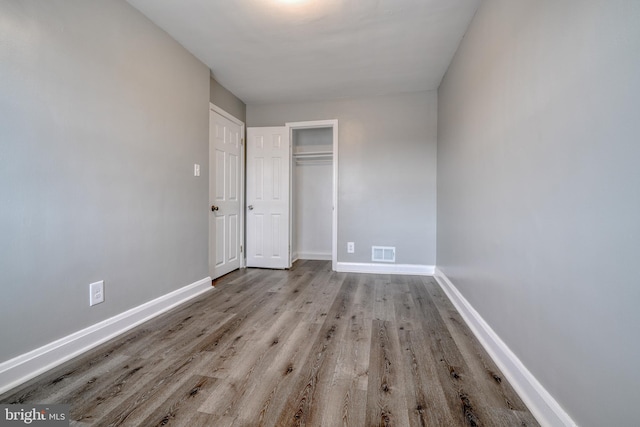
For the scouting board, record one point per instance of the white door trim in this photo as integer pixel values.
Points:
(333, 123)
(223, 113)
(226, 115)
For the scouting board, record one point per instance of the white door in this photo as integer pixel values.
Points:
(225, 145)
(268, 165)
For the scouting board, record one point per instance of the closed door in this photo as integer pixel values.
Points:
(225, 144)
(268, 164)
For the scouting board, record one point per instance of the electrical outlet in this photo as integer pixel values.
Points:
(196, 169)
(96, 293)
(351, 247)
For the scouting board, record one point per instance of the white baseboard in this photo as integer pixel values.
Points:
(408, 269)
(318, 256)
(22, 368)
(541, 404)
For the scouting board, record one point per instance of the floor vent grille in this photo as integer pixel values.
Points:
(383, 253)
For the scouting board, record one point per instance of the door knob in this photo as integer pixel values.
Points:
(214, 208)
(250, 207)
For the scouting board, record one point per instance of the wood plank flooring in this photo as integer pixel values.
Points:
(304, 347)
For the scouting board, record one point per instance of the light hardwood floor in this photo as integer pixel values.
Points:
(306, 346)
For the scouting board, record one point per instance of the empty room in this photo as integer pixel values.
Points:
(319, 212)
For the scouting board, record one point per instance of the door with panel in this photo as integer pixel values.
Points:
(268, 166)
(225, 190)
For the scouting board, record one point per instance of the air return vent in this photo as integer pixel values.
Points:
(383, 253)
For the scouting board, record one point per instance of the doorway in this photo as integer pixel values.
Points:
(314, 147)
(274, 204)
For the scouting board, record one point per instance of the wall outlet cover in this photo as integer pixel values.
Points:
(96, 293)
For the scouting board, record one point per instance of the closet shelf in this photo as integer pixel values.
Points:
(315, 157)
(313, 154)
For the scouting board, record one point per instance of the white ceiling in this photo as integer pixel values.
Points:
(268, 51)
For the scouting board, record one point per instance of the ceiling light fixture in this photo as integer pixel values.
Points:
(303, 9)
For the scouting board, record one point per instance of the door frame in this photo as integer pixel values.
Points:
(229, 116)
(333, 124)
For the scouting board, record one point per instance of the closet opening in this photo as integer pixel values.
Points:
(313, 188)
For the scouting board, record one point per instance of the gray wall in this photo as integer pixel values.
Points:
(221, 97)
(538, 193)
(387, 167)
(102, 117)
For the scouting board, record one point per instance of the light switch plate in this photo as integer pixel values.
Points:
(196, 169)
